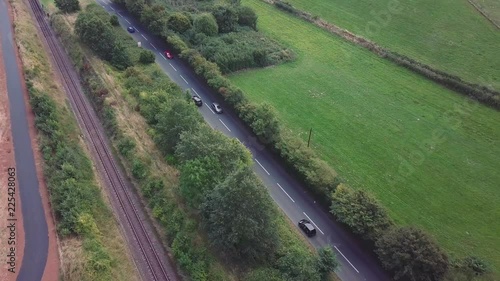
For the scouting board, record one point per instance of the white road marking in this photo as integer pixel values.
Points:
(144, 37)
(194, 90)
(188, 84)
(153, 46)
(163, 56)
(112, 8)
(119, 14)
(262, 166)
(313, 223)
(286, 193)
(127, 21)
(211, 109)
(346, 259)
(223, 124)
(173, 67)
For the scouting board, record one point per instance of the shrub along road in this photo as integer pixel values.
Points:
(357, 263)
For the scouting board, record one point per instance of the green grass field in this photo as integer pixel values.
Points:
(447, 34)
(375, 122)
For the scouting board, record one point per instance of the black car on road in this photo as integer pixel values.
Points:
(307, 227)
(197, 101)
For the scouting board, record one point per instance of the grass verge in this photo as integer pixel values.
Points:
(429, 155)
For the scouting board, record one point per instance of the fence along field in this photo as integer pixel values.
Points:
(427, 154)
(451, 36)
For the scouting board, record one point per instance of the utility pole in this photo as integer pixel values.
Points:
(309, 140)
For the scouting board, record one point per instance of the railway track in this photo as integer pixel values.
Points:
(153, 256)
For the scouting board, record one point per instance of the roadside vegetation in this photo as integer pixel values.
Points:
(187, 173)
(454, 37)
(90, 244)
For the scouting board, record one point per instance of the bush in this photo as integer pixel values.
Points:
(206, 24)
(68, 6)
(247, 16)
(297, 265)
(147, 57)
(327, 262)
(114, 20)
(361, 212)
(226, 18)
(179, 22)
(411, 254)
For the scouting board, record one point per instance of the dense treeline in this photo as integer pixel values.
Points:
(481, 93)
(214, 168)
(74, 197)
(224, 34)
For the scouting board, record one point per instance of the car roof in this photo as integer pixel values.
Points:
(215, 104)
(196, 98)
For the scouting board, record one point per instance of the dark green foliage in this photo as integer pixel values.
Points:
(155, 18)
(96, 34)
(412, 255)
(114, 20)
(139, 170)
(238, 216)
(179, 22)
(147, 57)
(205, 142)
(245, 49)
(327, 262)
(180, 117)
(298, 265)
(247, 17)
(205, 23)
(126, 146)
(226, 18)
(263, 120)
(95, 30)
(361, 212)
(68, 6)
(135, 6)
(119, 57)
(198, 177)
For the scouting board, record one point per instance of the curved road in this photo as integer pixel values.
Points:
(357, 263)
(35, 226)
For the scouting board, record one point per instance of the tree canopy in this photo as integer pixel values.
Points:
(238, 216)
(412, 255)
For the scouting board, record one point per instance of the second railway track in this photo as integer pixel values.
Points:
(152, 256)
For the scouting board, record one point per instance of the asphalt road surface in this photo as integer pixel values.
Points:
(35, 226)
(357, 263)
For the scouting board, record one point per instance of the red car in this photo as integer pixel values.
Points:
(168, 54)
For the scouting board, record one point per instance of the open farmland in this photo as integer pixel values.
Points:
(449, 35)
(428, 155)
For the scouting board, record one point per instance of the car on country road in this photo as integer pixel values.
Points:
(168, 54)
(197, 101)
(131, 29)
(307, 227)
(217, 108)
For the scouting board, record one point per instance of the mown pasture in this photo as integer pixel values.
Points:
(451, 36)
(428, 154)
